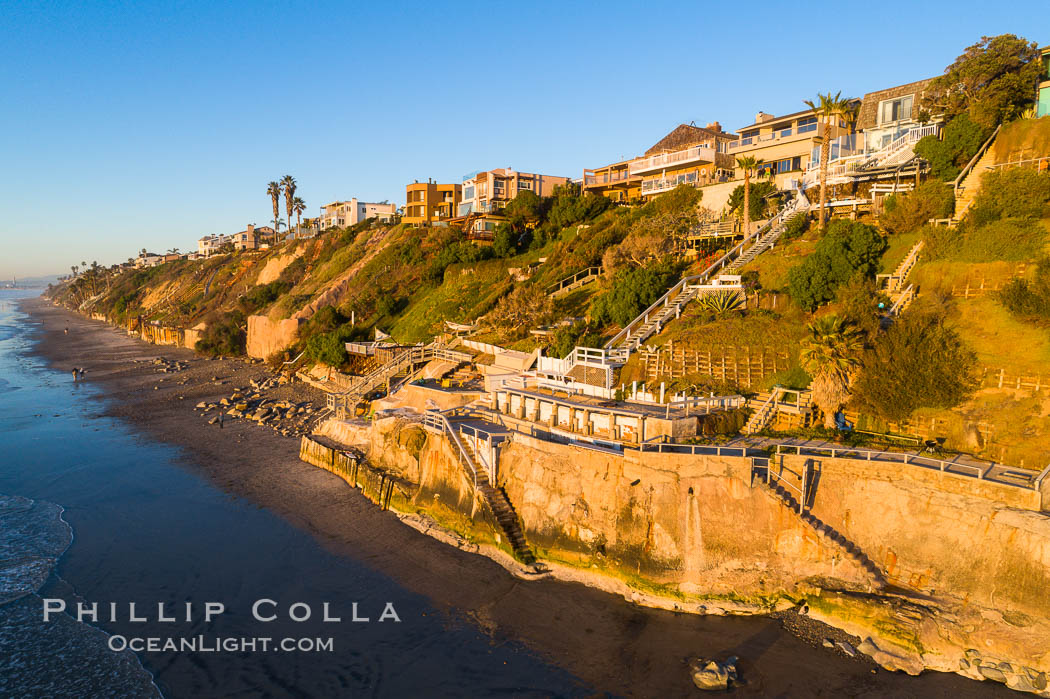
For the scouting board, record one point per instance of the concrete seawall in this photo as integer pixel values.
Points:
(967, 561)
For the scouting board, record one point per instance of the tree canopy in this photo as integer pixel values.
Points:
(993, 81)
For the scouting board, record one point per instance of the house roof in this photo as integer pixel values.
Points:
(869, 107)
(685, 135)
(767, 122)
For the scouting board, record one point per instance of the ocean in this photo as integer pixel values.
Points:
(92, 513)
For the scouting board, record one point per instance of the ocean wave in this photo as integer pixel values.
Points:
(33, 536)
(60, 657)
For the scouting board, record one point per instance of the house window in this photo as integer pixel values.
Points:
(895, 109)
(784, 133)
(807, 124)
(748, 137)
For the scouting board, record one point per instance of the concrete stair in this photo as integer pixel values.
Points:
(656, 322)
(828, 534)
(501, 508)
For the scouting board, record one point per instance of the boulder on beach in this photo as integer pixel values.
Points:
(712, 675)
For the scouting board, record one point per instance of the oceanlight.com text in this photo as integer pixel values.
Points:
(229, 644)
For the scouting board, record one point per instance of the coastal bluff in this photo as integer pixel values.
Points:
(932, 570)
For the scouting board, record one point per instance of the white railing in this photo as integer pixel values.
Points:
(665, 183)
(902, 302)
(434, 420)
(579, 279)
(715, 266)
(686, 155)
(957, 184)
(607, 178)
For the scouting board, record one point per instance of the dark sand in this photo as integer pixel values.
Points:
(608, 643)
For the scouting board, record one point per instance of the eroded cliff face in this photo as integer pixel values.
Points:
(699, 524)
(266, 336)
(971, 558)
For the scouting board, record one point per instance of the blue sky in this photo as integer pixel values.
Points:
(137, 124)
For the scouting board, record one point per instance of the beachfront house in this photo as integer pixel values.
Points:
(211, 244)
(340, 214)
(689, 154)
(484, 194)
(429, 203)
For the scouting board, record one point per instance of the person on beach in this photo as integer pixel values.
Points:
(74, 374)
(222, 418)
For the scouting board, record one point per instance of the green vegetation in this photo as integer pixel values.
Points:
(905, 213)
(830, 354)
(1009, 239)
(633, 290)
(224, 335)
(918, 363)
(795, 227)
(1011, 193)
(1029, 299)
(991, 82)
(761, 199)
(959, 142)
(849, 248)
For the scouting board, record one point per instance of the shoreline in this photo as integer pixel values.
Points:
(578, 627)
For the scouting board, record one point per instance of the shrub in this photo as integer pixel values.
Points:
(917, 363)
(796, 226)
(458, 252)
(905, 213)
(523, 308)
(330, 347)
(263, 295)
(1029, 299)
(959, 143)
(569, 206)
(568, 337)
(1012, 193)
(224, 336)
(1009, 239)
(849, 248)
(633, 290)
(761, 192)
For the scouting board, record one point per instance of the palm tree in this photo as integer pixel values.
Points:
(288, 183)
(827, 108)
(274, 190)
(831, 355)
(749, 164)
(298, 206)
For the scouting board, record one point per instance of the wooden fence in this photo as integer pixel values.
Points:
(974, 287)
(1000, 378)
(741, 365)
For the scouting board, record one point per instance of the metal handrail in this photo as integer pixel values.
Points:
(872, 455)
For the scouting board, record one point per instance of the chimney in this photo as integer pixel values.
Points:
(715, 126)
(251, 228)
(763, 117)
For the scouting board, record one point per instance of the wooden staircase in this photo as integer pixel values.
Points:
(765, 411)
(761, 245)
(968, 184)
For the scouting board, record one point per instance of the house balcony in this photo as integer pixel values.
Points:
(666, 184)
(678, 158)
(772, 139)
(603, 179)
